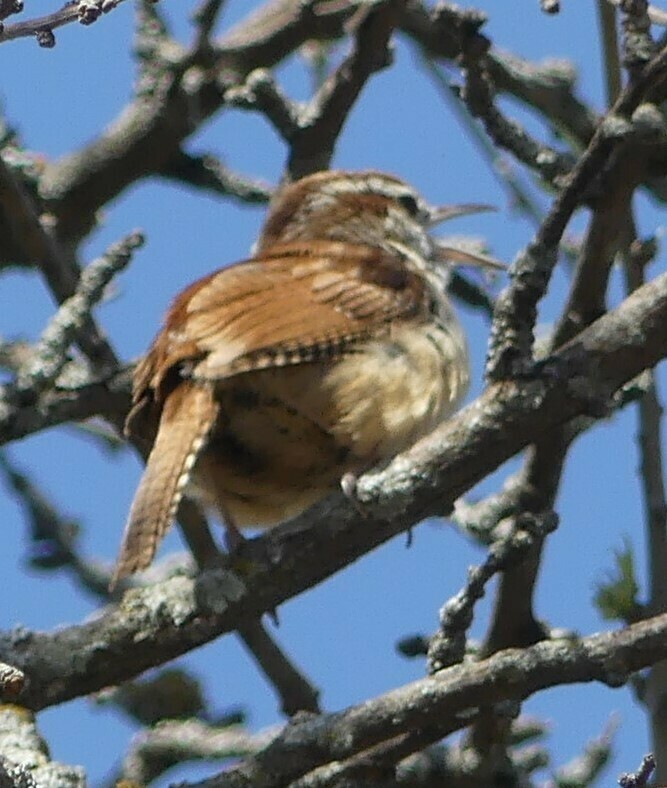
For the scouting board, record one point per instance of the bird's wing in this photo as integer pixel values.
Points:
(298, 304)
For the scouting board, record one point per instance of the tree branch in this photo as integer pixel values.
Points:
(512, 335)
(108, 397)
(84, 11)
(174, 742)
(33, 232)
(49, 356)
(439, 700)
(312, 147)
(158, 623)
(24, 755)
(207, 172)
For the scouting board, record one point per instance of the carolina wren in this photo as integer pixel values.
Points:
(333, 348)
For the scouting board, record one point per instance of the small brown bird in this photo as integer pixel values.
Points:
(329, 351)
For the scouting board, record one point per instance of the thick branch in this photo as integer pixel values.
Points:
(149, 132)
(158, 623)
(24, 755)
(438, 700)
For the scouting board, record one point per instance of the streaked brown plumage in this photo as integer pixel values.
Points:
(328, 352)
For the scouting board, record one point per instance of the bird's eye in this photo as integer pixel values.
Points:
(409, 202)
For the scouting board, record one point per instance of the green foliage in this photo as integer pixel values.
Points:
(616, 597)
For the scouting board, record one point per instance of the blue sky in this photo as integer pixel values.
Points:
(343, 632)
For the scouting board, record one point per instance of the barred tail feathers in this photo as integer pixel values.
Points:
(188, 416)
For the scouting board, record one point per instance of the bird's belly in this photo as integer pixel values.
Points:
(285, 436)
(398, 389)
(265, 462)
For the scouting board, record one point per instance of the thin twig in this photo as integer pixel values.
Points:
(539, 480)
(520, 198)
(208, 172)
(448, 646)
(373, 766)
(50, 353)
(514, 621)
(312, 131)
(295, 690)
(51, 535)
(261, 93)
(477, 93)
(636, 256)
(174, 742)
(33, 232)
(638, 46)
(471, 293)
(191, 87)
(510, 349)
(610, 53)
(84, 11)
(321, 121)
(584, 769)
(292, 686)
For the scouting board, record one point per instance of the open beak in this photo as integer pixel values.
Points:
(454, 254)
(442, 213)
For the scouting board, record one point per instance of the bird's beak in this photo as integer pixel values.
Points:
(443, 213)
(443, 253)
(454, 254)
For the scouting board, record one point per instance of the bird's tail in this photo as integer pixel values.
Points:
(188, 415)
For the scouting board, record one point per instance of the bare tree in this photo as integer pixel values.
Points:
(537, 401)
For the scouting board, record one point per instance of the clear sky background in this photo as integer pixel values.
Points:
(343, 632)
